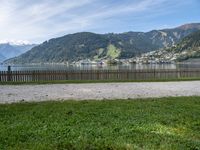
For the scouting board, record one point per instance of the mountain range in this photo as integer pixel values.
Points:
(9, 50)
(2, 58)
(189, 47)
(185, 50)
(86, 45)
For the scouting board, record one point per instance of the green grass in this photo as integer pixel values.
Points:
(166, 123)
(113, 52)
(96, 81)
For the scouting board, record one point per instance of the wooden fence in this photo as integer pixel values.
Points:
(27, 76)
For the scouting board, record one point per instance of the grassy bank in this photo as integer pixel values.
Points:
(96, 81)
(166, 123)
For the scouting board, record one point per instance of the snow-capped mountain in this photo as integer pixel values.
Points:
(9, 49)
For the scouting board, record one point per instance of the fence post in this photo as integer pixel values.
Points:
(127, 75)
(178, 73)
(97, 77)
(66, 75)
(9, 73)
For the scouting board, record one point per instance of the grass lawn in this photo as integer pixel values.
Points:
(165, 123)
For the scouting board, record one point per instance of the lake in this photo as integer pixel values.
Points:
(102, 67)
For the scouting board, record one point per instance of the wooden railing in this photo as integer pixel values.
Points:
(151, 74)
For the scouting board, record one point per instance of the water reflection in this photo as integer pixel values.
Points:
(100, 67)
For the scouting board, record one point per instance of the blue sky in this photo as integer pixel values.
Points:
(40, 20)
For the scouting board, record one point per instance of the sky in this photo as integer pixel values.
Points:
(35, 21)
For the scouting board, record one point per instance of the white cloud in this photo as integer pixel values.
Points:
(40, 20)
(93, 18)
(29, 21)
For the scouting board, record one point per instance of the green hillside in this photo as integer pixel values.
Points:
(189, 47)
(86, 45)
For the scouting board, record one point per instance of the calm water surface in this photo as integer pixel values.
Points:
(103, 67)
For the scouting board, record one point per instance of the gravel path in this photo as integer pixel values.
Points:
(99, 91)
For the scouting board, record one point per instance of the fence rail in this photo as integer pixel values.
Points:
(29, 76)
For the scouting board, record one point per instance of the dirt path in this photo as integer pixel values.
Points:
(99, 91)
